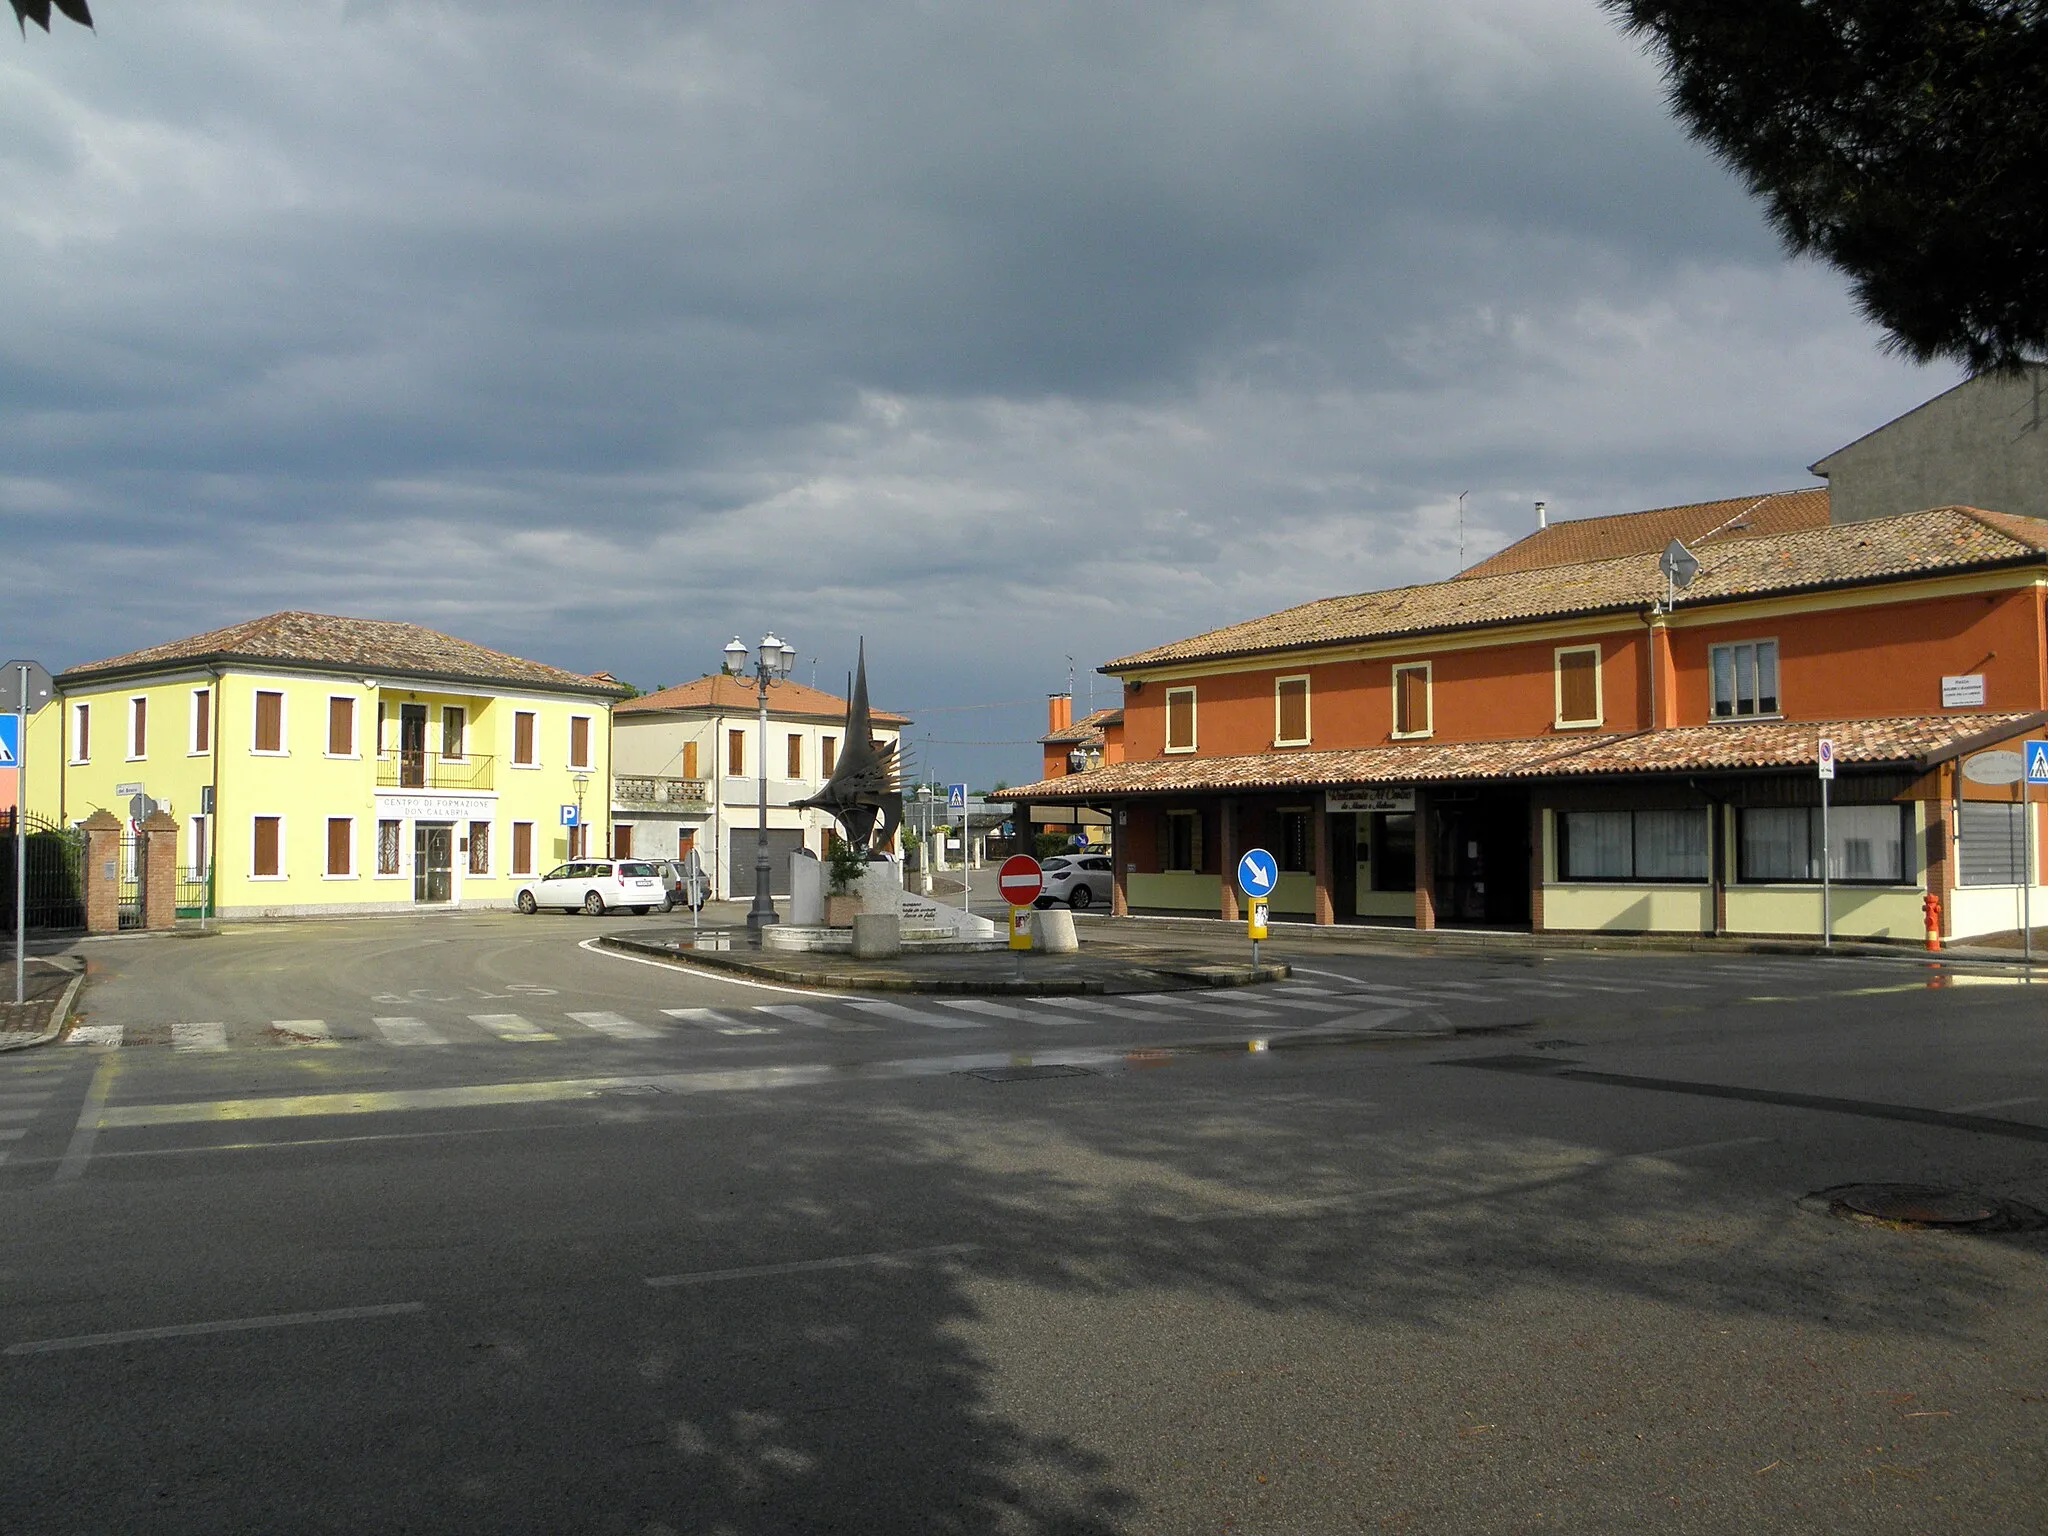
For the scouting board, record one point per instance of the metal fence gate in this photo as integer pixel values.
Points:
(56, 872)
(134, 875)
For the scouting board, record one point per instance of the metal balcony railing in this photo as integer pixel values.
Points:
(434, 770)
(653, 789)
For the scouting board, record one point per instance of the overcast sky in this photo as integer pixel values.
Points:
(999, 334)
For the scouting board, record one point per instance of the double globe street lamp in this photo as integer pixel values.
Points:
(773, 662)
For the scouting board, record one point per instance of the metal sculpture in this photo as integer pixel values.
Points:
(866, 786)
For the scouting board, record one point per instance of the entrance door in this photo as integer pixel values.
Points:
(412, 746)
(433, 861)
(1482, 860)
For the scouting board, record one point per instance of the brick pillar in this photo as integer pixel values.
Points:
(160, 871)
(102, 872)
(1326, 906)
(1536, 862)
(1425, 862)
(1227, 855)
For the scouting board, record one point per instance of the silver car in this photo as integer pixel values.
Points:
(1078, 879)
(595, 886)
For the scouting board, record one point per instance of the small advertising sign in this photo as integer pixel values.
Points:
(1368, 800)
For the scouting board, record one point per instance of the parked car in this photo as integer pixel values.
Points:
(675, 882)
(595, 886)
(1078, 879)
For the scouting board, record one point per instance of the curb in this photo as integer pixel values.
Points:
(59, 1017)
(1172, 978)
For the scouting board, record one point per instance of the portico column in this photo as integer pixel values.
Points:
(1326, 906)
(1425, 862)
(1119, 853)
(1226, 860)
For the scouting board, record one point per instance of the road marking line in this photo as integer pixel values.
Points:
(87, 1131)
(230, 1325)
(591, 946)
(1971, 1109)
(977, 1005)
(94, 1034)
(900, 1258)
(404, 1031)
(1095, 1005)
(797, 1013)
(26, 1096)
(1318, 1005)
(724, 1024)
(14, 1135)
(510, 1026)
(17, 1116)
(616, 1025)
(314, 1030)
(199, 1037)
(1235, 1007)
(916, 1016)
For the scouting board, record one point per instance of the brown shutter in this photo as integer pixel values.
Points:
(265, 861)
(341, 726)
(454, 720)
(1293, 694)
(202, 720)
(1411, 717)
(686, 839)
(1578, 692)
(622, 841)
(579, 741)
(138, 727)
(735, 752)
(522, 847)
(1180, 718)
(84, 719)
(689, 760)
(522, 737)
(339, 860)
(269, 722)
(828, 755)
(796, 757)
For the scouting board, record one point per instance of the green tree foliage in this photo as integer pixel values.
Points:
(1903, 141)
(38, 11)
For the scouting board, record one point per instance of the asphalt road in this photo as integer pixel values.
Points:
(1419, 1244)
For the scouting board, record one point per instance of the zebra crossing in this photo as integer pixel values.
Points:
(23, 1102)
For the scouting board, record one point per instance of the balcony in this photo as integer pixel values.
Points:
(650, 792)
(434, 770)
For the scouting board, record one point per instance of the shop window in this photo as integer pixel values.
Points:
(1578, 685)
(138, 729)
(522, 738)
(1182, 852)
(1412, 699)
(202, 721)
(479, 847)
(1392, 850)
(828, 755)
(1745, 679)
(1634, 845)
(1866, 844)
(1180, 719)
(1297, 853)
(341, 840)
(1290, 712)
(736, 753)
(267, 847)
(579, 741)
(341, 727)
(1991, 839)
(81, 733)
(796, 756)
(455, 733)
(387, 847)
(269, 734)
(522, 847)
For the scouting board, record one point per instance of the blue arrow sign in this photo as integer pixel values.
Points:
(1257, 872)
(2036, 754)
(956, 797)
(10, 746)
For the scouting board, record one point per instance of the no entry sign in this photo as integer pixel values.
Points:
(1020, 880)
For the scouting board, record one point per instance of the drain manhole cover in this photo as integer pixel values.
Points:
(1930, 1205)
(1025, 1074)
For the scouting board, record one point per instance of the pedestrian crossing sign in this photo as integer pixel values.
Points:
(2036, 754)
(10, 746)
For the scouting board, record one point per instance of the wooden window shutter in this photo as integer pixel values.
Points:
(522, 847)
(339, 836)
(202, 720)
(269, 722)
(689, 760)
(828, 755)
(1180, 719)
(1412, 701)
(735, 752)
(1578, 686)
(84, 721)
(138, 744)
(1292, 693)
(579, 741)
(265, 861)
(796, 756)
(341, 727)
(522, 737)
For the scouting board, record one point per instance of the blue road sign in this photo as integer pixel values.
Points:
(10, 747)
(1257, 872)
(2036, 754)
(956, 798)
(570, 816)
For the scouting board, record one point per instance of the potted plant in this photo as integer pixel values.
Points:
(844, 865)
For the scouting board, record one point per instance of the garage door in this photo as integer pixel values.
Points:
(782, 842)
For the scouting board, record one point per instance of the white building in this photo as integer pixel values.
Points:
(685, 767)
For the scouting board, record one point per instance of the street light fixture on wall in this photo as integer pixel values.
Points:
(773, 663)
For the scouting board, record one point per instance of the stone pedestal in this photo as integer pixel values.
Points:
(806, 890)
(1052, 932)
(160, 871)
(877, 936)
(102, 872)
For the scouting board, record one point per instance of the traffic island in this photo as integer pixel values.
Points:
(49, 986)
(1105, 968)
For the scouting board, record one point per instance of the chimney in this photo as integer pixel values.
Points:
(1059, 712)
(1542, 514)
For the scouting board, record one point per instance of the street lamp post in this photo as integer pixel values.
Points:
(773, 661)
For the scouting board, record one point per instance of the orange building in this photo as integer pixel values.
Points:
(1563, 738)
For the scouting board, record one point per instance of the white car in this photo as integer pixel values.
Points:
(596, 886)
(1079, 879)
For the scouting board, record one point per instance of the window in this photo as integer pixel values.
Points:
(387, 847)
(622, 840)
(81, 733)
(341, 727)
(828, 755)
(796, 756)
(522, 847)
(689, 760)
(1290, 712)
(1296, 852)
(267, 860)
(1180, 719)
(736, 752)
(1393, 850)
(454, 732)
(579, 741)
(1745, 679)
(1411, 699)
(1992, 841)
(199, 846)
(138, 729)
(1866, 844)
(479, 847)
(1578, 685)
(522, 738)
(1633, 845)
(1182, 848)
(269, 735)
(202, 721)
(341, 840)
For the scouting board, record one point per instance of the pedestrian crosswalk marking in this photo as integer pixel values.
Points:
(510, 1026)
(977, 1005)
(404, 1031)
(95, 1034)
(199, 1037)
(17, 1116)
(14, 1135)
(905, 1015)
(724, 1024)
(1084, 1004)
(617, 1025)
(303, 1031)
(797, 1013)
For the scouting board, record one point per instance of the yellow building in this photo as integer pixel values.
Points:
(333, 765)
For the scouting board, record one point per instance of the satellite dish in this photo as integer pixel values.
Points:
(1678, 564)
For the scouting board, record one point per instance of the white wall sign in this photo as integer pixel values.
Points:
(432, 807)
(1965, 692)
(1994, 768)
(1373, 800)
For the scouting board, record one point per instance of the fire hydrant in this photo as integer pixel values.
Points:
(1930, 907)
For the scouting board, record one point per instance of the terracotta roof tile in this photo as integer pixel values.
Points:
(721, 690)
(1579, 539)
(1732, 747)
(1914, 544)
(1088, 731)
(330, 641)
